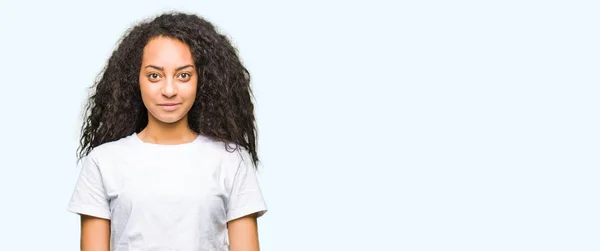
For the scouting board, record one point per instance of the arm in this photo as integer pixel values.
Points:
(243, 234)
(95, 233)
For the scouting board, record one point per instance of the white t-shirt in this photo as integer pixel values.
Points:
(167, 197)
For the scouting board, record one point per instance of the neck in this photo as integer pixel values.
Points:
(158, 132)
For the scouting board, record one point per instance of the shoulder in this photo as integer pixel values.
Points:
(229, 154)
(110, 149)
(229, 151)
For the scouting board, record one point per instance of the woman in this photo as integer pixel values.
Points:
(169, 144)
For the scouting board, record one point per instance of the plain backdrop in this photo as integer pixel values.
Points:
(398, 125)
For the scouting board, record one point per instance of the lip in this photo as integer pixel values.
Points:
(169, 106)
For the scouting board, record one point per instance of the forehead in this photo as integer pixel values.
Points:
(166, 51)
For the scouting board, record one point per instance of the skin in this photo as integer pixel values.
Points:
(168, 76)
(95, 234)
(243, 234)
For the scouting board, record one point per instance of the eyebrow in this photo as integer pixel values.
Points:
(162, 68)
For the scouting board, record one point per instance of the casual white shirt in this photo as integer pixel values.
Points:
(167, 197)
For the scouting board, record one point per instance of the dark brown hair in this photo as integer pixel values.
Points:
(223, 109)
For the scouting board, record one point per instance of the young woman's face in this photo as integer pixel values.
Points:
(168, 79)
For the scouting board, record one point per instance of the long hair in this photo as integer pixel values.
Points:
(223, 108)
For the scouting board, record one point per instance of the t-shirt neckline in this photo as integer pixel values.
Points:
(137, 139)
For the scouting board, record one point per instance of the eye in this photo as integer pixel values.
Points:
(185, 75)
(153, 76)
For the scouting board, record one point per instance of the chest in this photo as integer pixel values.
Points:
(166, 185)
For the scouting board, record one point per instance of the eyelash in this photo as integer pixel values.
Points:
(154, 73)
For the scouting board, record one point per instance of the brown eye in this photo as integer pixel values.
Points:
(185, 75)
(153, 76)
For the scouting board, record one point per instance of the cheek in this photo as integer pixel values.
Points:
(190, 91)
(145, 91)
(148, 94)
(143, 86)
(149, 88)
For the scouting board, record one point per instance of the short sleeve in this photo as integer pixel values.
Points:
(246, 196)
(89, 196)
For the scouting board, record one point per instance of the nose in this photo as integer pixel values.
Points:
(169, 88)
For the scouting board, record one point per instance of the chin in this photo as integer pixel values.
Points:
(168, 118)
(169, 121)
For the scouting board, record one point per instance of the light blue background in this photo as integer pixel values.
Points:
(414, 125)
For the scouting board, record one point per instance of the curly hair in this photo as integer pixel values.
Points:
(222, 110)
